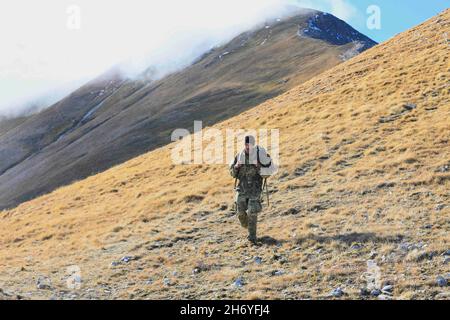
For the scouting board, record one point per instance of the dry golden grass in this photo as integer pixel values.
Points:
(370, 187)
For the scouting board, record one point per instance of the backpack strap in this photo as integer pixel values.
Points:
(257, 156)
(235, 160)
(233, 171)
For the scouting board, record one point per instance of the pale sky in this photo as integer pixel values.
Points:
(43, 51)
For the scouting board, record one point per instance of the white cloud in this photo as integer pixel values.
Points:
(40, 53)
(342, 9)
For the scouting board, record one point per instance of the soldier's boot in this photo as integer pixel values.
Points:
(243, 219)
(252, 222)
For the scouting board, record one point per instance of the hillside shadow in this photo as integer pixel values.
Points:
(269, 241)
(354, 237)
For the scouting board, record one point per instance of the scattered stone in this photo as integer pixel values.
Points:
(184, 286)
(291, 211)
(127, 259)
(166, 281)
(439, 207)
(201, 267)
(356, 247)
(387, 289)
(375, 292)
(258, 260)
(4, 294)
(114, 264)
(447, 253)
(74, 281)
(442, 295)
(239, 282)
(338, 292)
(43, 283)
(405, 246)
(446, 260)
(444, 168)
(441, 281)
(410, 106)
(277, 273)
(426, 256)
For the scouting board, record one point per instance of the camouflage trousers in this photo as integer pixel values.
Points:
(247, 212)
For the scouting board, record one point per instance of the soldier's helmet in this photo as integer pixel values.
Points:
(250, 140)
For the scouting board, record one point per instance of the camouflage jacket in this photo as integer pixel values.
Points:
(250, 181)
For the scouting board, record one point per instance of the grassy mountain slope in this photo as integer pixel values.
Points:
(365, 175)
(7, 124)
(112, 119)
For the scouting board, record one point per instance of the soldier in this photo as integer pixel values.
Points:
(246, 168)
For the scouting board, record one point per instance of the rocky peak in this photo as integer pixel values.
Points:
(327, 27)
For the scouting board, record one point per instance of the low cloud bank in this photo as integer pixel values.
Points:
(46, 57)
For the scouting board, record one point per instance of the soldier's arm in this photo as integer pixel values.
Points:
(234, 168)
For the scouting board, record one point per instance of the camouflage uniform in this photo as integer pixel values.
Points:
(248, 195)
